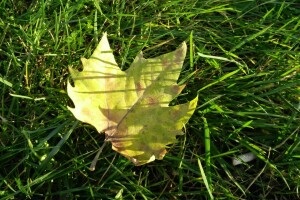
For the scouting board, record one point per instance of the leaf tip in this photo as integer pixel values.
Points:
(183, 45)
(137, 162)
(69, 108)
(182, 48)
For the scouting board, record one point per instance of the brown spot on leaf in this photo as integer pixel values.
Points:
(162, 154)
(175, 89)
(175, 113)
(139, 87)
(165, 62)
(179, 52)
(151, 101)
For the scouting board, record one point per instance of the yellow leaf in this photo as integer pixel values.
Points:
(132, 106)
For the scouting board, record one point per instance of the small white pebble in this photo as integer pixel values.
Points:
(247, 157)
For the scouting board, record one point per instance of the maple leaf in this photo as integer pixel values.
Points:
(132, 106)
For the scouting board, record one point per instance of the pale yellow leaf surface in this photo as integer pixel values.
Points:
(132, 106)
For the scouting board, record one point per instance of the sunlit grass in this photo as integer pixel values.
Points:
(243, 61)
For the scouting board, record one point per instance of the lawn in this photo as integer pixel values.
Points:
(243, 60)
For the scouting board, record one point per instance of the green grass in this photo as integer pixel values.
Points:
(243, 60)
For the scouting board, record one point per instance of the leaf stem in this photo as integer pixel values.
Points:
(94, 162)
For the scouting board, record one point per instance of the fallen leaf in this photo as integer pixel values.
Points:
(132, 107)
